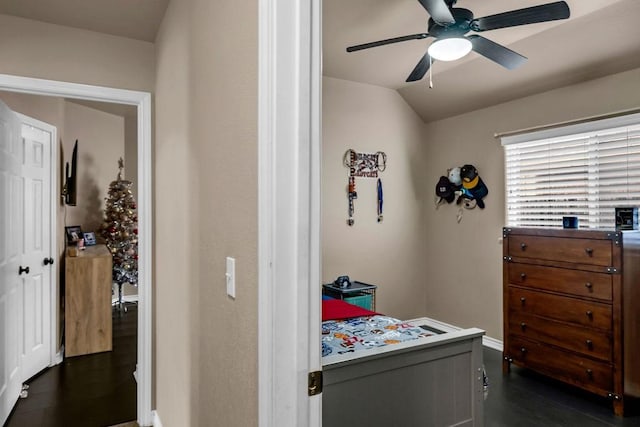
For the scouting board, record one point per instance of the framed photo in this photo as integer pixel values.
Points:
(90, 238)
(74, 233)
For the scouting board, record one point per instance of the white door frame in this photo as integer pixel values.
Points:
(289, 251)
(145, 226)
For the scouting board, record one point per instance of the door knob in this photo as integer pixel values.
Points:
(23, 270)
(48, 261)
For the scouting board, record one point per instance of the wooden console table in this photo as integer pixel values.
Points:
(87, 296)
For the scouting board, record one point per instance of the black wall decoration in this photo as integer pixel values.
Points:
(70, 188)
(364, 165)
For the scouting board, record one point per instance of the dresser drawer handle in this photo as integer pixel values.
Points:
(589, 373)
(588, 285)
(589, 251)
(590, 344)
(523, 276)
(523, 326)
(589, 314)
(523, 350)
(522, 300)
(523, 246)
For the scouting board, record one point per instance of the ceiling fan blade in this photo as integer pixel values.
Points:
(496, 52)
(529, 15)
(421, 69)
(387, 41)
(438, 10)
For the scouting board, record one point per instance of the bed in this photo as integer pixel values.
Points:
(380, 371)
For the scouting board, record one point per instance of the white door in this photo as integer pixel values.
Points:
(25, 244)
(11, 230)
(37, 138)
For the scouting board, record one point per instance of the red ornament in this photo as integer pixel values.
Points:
(135, 231)
(135, 256)
(112, 230)
(133, 206)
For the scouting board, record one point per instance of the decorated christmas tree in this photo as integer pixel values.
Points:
(120, 229)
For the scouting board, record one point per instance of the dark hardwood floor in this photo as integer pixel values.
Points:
(86, 391)
(99, 390)
(525, 399)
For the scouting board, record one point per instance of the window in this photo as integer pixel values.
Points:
(584, 170)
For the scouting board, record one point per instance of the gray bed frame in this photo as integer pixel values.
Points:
(434, 382)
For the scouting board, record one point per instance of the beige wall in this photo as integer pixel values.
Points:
(131, 151)
(389, 254)
(35, 49)
(206, 117)
(224, 122)
(100, 144)
(175, 290)
(464, 261)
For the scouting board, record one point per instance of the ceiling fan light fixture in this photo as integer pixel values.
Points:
(449, 49)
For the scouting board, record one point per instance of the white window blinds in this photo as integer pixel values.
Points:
(572, 172)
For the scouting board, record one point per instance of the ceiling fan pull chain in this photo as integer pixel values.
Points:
(430, 74)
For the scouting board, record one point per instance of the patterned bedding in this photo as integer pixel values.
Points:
(362, 333)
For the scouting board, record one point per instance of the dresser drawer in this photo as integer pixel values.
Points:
(587, 341)
(585, 313)
(581, 251)
(565, 366)
(575, 282)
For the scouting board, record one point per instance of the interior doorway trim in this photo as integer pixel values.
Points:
(145, 225)
(289, 174)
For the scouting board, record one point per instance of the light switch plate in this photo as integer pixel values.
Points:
(231, 277)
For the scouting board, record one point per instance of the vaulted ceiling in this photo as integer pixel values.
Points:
(601, 37)
(135, 19)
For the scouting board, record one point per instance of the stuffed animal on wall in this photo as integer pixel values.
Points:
(445, 191)
(473, 188)
(466, 199)
(454, 177)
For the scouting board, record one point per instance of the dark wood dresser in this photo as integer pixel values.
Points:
(572, 308)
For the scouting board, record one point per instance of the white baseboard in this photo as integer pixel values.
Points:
(489, 342)
(58, 358)
(156, 419)
(125, 298)
(492, 343)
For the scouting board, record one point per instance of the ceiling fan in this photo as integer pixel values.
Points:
(448, 25)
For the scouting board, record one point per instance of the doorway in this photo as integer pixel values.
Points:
(142, 101)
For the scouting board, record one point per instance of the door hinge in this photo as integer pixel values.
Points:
(24, 392)
(315, 383)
